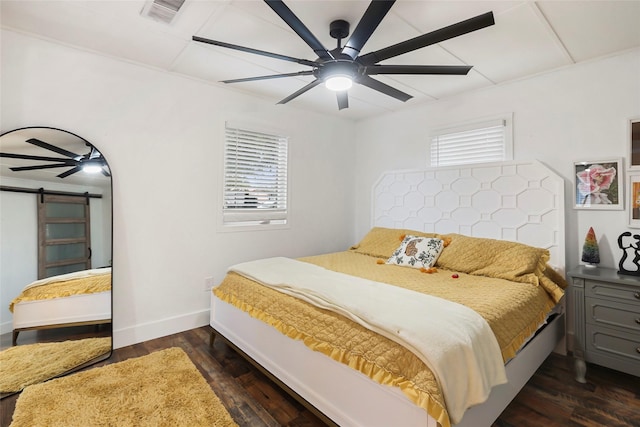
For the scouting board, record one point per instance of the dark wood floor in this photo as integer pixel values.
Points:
(56, 335)
(551, 398)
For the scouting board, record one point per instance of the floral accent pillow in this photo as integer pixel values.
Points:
(417, 252)
(381, 242)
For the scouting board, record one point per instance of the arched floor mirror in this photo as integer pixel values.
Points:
(55, 257)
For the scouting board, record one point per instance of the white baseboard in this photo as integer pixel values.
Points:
(6, 327)
(147, 331)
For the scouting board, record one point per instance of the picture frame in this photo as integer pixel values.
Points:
(633, 133)
(598, 184)
(633, 197)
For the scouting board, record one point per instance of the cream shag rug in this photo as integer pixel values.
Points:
(24, 365)
(160, 389)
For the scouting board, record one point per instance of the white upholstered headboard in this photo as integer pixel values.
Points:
(517, 201)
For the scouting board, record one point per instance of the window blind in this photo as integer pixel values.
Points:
(255, 177)
(484, 143)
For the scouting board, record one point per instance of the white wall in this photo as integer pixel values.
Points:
(18, 255)
(573, 114)
(162, 135)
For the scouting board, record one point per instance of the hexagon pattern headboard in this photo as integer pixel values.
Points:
(517, 201)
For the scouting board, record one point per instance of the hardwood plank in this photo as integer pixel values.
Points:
(551, 398)
(270, 397)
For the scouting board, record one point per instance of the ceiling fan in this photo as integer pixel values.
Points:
(92, 162)
(340, 67)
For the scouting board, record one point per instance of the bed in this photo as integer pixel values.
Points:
(73, 299)
(487, 211)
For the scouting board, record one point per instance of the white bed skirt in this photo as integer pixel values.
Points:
(350, 398)
(60, 311)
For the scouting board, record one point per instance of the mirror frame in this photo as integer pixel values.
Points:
(59, 327)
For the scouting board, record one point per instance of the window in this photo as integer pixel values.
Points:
(255, 178)
(488, 141)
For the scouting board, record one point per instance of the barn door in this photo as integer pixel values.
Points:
(63, 235)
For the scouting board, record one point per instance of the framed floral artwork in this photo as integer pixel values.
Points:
(598, 185)
(633, 190)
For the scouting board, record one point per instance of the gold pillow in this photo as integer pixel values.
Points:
(554, 291)
(382, 242)
(555, 277)
(500, 259)
(553, 283)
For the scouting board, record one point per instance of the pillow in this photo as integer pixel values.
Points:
(553, 282)
(417, 252)
(382, 242)
(555, 292)
(500, 259)
(557, 278)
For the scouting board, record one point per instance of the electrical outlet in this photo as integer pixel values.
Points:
(208, 284)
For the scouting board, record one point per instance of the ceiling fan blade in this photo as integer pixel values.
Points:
(255, 51)
(301, 30)
(437, 36)
(372, 17)
(417, 69)
(343, 99)
(40, 158)
(384, 88)
(273, 76)
(50, 147)
(299, 92)
(36, 167)
(69, 172)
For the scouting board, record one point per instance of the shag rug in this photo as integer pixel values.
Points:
(23, 365)
(163, 388)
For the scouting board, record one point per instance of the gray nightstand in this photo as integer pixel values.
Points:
(606, 313)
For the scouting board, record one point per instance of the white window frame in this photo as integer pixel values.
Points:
(462, 139)
(257, 214)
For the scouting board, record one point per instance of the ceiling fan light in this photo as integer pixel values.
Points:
(338, 82)
(91, 168)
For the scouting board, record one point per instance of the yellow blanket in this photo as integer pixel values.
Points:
(513, 310)
(456, 344)
(63, 288)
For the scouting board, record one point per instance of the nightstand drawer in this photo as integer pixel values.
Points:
(606, 315)
(614, 345)
(612, 314)
(617, 292)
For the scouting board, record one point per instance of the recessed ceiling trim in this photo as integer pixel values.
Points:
(552, 32)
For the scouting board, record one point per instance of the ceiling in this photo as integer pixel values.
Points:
(529, 37)
(14, 143)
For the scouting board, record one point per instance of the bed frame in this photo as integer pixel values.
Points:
(74, 310)
(518, 201)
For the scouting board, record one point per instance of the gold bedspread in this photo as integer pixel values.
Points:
(79, 286)
(513, 310)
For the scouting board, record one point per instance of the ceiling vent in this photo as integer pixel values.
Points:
(162, 10)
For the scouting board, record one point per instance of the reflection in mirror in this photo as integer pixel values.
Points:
(635, 142)
(55, 257)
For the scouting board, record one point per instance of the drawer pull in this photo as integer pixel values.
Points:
(638, 320)
(637, 295)
(637, 349)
